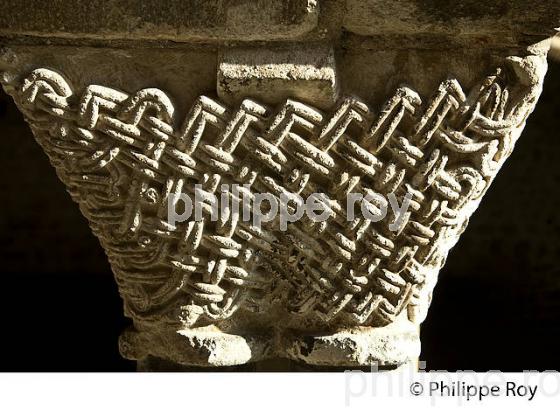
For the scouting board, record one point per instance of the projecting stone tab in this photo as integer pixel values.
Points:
(272, 75)
(164, 19)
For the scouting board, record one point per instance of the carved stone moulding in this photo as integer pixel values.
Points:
(332, 120)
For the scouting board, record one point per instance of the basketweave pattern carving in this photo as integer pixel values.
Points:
(121, 155)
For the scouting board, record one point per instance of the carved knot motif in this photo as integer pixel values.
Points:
(122, 155)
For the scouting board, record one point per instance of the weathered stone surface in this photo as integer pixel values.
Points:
(466, 17)
(397, 343)
(184, 20)
(203, 347)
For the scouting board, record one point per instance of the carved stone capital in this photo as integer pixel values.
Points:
(127, 135)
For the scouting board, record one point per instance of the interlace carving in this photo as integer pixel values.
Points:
(121, 155)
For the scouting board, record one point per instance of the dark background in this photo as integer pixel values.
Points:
(496, 306)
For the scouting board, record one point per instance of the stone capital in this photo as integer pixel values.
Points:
(412, 101)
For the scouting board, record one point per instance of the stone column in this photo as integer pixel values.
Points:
(415, 101)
